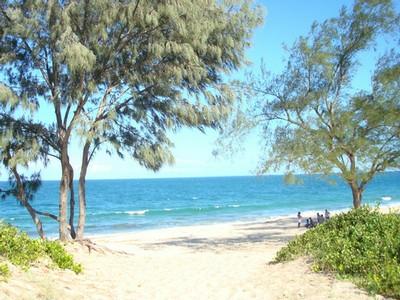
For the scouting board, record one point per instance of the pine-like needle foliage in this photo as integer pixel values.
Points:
(121, 74)
(314, 118)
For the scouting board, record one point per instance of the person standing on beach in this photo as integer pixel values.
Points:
(327, 214)
(298, 219)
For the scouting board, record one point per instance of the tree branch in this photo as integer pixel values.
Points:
(47, 214)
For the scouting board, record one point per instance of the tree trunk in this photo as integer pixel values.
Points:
(357, 195)
(64, 233)
(71, 200)
(36, 219)
(25, 203)
(82, 207)
(82, 192)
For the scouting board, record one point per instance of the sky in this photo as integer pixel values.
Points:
(285, 20)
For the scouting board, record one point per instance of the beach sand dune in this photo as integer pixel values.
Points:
(221, 261)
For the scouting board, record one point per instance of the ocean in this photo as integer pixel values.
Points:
(139, 204)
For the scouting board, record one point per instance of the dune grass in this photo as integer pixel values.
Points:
(362, 245)
(19, 249)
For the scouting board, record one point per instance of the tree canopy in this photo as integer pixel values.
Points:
(313, 117)
(120, 75)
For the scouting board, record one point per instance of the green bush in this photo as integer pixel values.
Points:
(23, 251)
(18, 247)
(362, 244)
(4, 271)
(60, 257)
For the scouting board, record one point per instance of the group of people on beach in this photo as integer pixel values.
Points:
(310, 222)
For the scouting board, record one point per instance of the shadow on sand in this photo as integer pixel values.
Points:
(271, 232)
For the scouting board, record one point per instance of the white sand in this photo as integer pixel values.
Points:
(222, 261)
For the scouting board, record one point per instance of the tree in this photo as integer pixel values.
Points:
(19, 147)
(120, 75)
(314, 119)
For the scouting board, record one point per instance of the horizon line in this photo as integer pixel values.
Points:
(211, 176)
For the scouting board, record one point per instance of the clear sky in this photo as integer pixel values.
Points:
(285, 20)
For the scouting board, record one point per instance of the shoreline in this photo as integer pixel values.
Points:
(119, 207)
(247, 220)
(129, 242)
(217, 261)
(386, 206)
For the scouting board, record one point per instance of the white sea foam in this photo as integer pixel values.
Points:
(313, 213)
(194, 198)
(234, 205)
(391, 205)
(167, 209)
(136, 212)
(104, 213)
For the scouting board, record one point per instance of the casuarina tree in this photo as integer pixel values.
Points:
(119, 76)
(313, 117)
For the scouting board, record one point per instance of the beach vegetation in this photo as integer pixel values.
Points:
(4, 271)
(60, 257)
(116, 77)
(19, 147)
(362, 245)
(315, 117)
(21, 250)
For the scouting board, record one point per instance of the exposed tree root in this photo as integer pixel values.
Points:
(92, 246)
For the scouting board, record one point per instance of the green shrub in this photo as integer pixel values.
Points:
(23, 251)
(362, 244)
(18, 247)
(4, 271)
(60, 257)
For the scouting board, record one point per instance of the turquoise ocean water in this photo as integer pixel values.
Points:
(138, 204)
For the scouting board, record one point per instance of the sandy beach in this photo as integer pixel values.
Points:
(219, 261)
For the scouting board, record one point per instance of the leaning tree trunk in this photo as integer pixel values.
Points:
(36, 219)
(82, 192)
(24, 201)
(357, 195)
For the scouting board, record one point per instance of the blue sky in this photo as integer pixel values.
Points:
(285, 20)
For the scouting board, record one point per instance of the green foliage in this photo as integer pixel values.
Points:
(18, 247)
(60, 257)
(127, 72)
(312, 115)
(119, 75)
(23, 251)
(4, 271)
(362, 244)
